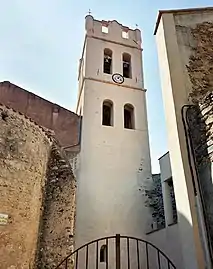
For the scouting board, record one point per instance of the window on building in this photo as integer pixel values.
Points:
(125, 34)
(107, 113)
(129, 121)
(107, 61)
(127, 72)
(105, 29)
(172, 199)
(103, 253)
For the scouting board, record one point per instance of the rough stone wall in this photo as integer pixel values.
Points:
(195, 38)
(24, 152)
(155, 202)
(57, 224)
(37, 190)
(65, 123)
(200, 70)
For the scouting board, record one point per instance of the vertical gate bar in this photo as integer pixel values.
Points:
(128, 260)
(66, 262)
(87, 257)
(159, 266)
(117, 251)
(168, 264)
(76, 263)
(97, 255)
(147, 256)
(107, 253)
(138, 258)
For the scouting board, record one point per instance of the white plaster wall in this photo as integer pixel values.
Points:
(109, 200)
(109, 184)
(168, 241)
(166, 173)
(165, 167)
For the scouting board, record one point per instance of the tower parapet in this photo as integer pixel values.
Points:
(113, 31)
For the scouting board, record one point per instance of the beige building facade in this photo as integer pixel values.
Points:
(184, 43)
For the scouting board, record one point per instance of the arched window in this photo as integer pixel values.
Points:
(129, 120)
(107, 61)
(103, 253)
(107, 113)
(127, 70)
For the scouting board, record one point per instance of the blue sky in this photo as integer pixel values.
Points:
(41, 43)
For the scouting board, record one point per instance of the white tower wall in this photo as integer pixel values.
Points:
(114, 161)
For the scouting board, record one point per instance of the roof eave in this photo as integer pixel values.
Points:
(186, 10)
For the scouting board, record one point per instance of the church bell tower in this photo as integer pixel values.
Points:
(115, 157)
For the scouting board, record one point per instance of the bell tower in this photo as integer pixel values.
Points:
(115, 157)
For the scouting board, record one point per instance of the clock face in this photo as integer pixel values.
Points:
(118, 78)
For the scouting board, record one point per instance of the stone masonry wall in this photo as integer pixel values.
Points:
(58, 219)
(24, 153)
(37, 190)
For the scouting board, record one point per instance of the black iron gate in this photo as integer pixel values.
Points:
(125, 250)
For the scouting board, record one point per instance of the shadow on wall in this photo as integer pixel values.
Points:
(169, 241)
(201, 134)
(200, 72)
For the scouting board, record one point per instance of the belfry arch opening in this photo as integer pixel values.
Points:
(107, 113)
(127, 69)
(129, 118)
(107, 61)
